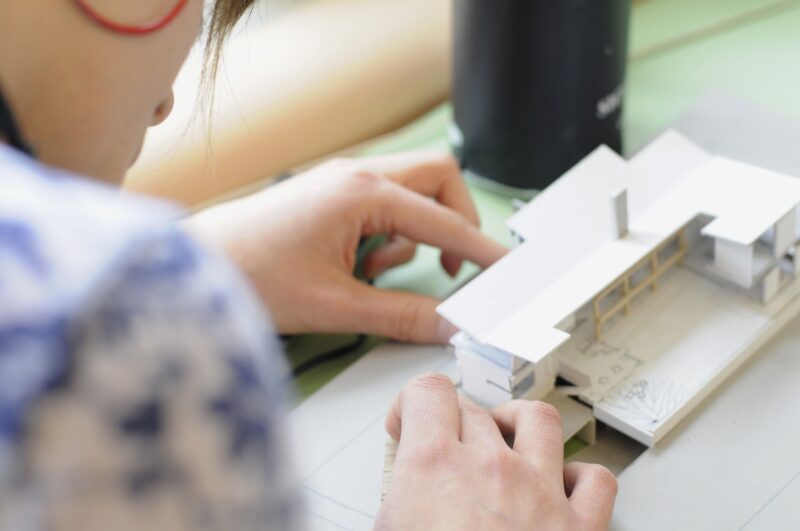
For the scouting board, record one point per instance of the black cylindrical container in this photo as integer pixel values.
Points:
(538, 85)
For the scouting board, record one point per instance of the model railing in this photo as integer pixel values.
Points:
(657, 266)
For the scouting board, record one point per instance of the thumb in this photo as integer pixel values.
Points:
(401, 315)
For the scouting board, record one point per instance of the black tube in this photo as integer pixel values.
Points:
(538, 85)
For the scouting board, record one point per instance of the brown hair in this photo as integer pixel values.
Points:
(224, 16)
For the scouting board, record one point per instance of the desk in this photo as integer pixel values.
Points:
(680, 49)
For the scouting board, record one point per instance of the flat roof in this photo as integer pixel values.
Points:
(571, 253)
(746, 201)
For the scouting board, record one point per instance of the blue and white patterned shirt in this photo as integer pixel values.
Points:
(140, 386)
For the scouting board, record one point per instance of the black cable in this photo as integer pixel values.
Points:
(329, 356)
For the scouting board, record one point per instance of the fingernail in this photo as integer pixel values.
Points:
(457, 269)
(446, 331)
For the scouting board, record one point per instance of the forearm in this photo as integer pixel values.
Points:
(324, 77)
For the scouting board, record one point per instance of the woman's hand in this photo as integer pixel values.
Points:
(297, 242)
(454, 470)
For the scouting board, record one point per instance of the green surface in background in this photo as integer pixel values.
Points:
(681, 50)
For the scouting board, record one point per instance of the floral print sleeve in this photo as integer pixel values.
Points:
(140, 387)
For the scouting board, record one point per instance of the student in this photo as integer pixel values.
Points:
(139, 379)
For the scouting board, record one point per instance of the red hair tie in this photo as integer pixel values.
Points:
(132, 29)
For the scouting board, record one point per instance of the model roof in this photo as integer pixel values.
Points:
(571, 249)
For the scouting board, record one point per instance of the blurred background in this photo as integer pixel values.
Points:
(307, 79)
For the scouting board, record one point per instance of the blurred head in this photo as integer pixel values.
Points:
(84, 90)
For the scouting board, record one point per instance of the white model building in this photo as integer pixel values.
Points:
(642, 284)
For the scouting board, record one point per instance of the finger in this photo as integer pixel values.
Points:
(451, 263)
(537, 431)
(396, 210)
(399, 315)
(431, 173)
(397, 251)
(591, 490)
(426, 409)
(478, 427)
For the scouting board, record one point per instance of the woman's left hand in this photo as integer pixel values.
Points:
(297, 242)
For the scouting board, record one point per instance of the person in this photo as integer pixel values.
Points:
(140, 381)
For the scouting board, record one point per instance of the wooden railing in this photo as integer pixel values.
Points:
(657, 267)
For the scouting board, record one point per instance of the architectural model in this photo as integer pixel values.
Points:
(637, 287)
